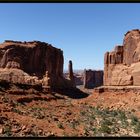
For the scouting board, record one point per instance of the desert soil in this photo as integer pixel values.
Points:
(53, 114)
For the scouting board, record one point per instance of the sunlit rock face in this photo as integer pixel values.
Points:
(32, 63)
(122, 66)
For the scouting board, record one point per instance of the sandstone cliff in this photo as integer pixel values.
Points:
(32, 63)
(121, 66)
(93, 78)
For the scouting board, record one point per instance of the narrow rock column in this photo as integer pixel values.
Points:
(84, 79)
(71, 76)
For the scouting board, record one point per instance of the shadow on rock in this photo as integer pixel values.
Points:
(72, 93)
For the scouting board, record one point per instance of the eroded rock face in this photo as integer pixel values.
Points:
(121, 66)
(93, 78)
(31, 63)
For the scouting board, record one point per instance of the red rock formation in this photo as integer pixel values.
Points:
(71, 76)
(78, 78)
(31, 63)
(70, 70)
(121, 67)
(93, 78)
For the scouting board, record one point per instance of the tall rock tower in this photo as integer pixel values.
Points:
(71, 76)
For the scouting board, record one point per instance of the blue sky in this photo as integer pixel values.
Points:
(83, 31)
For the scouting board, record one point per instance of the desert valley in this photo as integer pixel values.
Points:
(39, 99)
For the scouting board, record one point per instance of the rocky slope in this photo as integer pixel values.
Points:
(24, 114)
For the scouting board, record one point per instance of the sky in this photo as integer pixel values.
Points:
(84, 31)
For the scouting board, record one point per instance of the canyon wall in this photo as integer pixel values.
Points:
(32, 63)
(122, 66)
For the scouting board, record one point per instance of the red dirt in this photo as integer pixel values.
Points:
(48, 116)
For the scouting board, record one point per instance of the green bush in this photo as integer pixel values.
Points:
(106, 122)
(105, 129)
(134, 120)
(137, 128)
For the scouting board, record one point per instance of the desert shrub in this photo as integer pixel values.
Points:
(83, 113)
(38, 115)
(105, 129)
(134, 120)
(93, 117)
(121, 115)
(73, 124)
(7, 131)
(125, 123)
(113, 113)
(37, 109)
(86, 133)
(98, 111)
(115, 129)
(106, 122)
(5, 99)
(137, 128)
(94, 129)
(17, 111)
(60, 125)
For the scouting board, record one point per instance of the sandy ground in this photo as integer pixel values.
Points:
(59, 115)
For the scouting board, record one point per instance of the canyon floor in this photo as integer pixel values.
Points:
(87, 114)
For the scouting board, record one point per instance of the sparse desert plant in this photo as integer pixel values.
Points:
(121, 115)
(38, 115)
(137, 128)
(37, 109)
(113, 113)
(134, 120)
(7, 131)
(94, 129)
(60, 125)
(17, 111)
(106, 122)
(93, 117)
(86, 133)
(5, 99)
(105, 129)
(73, 124)
(83, 113)
(125, 123)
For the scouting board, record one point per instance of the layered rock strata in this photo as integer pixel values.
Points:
(32, 63)
(122, 66)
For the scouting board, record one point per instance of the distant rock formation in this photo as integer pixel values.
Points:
(78, 78)
(93, 78)
(32, 63)
(122, 66)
